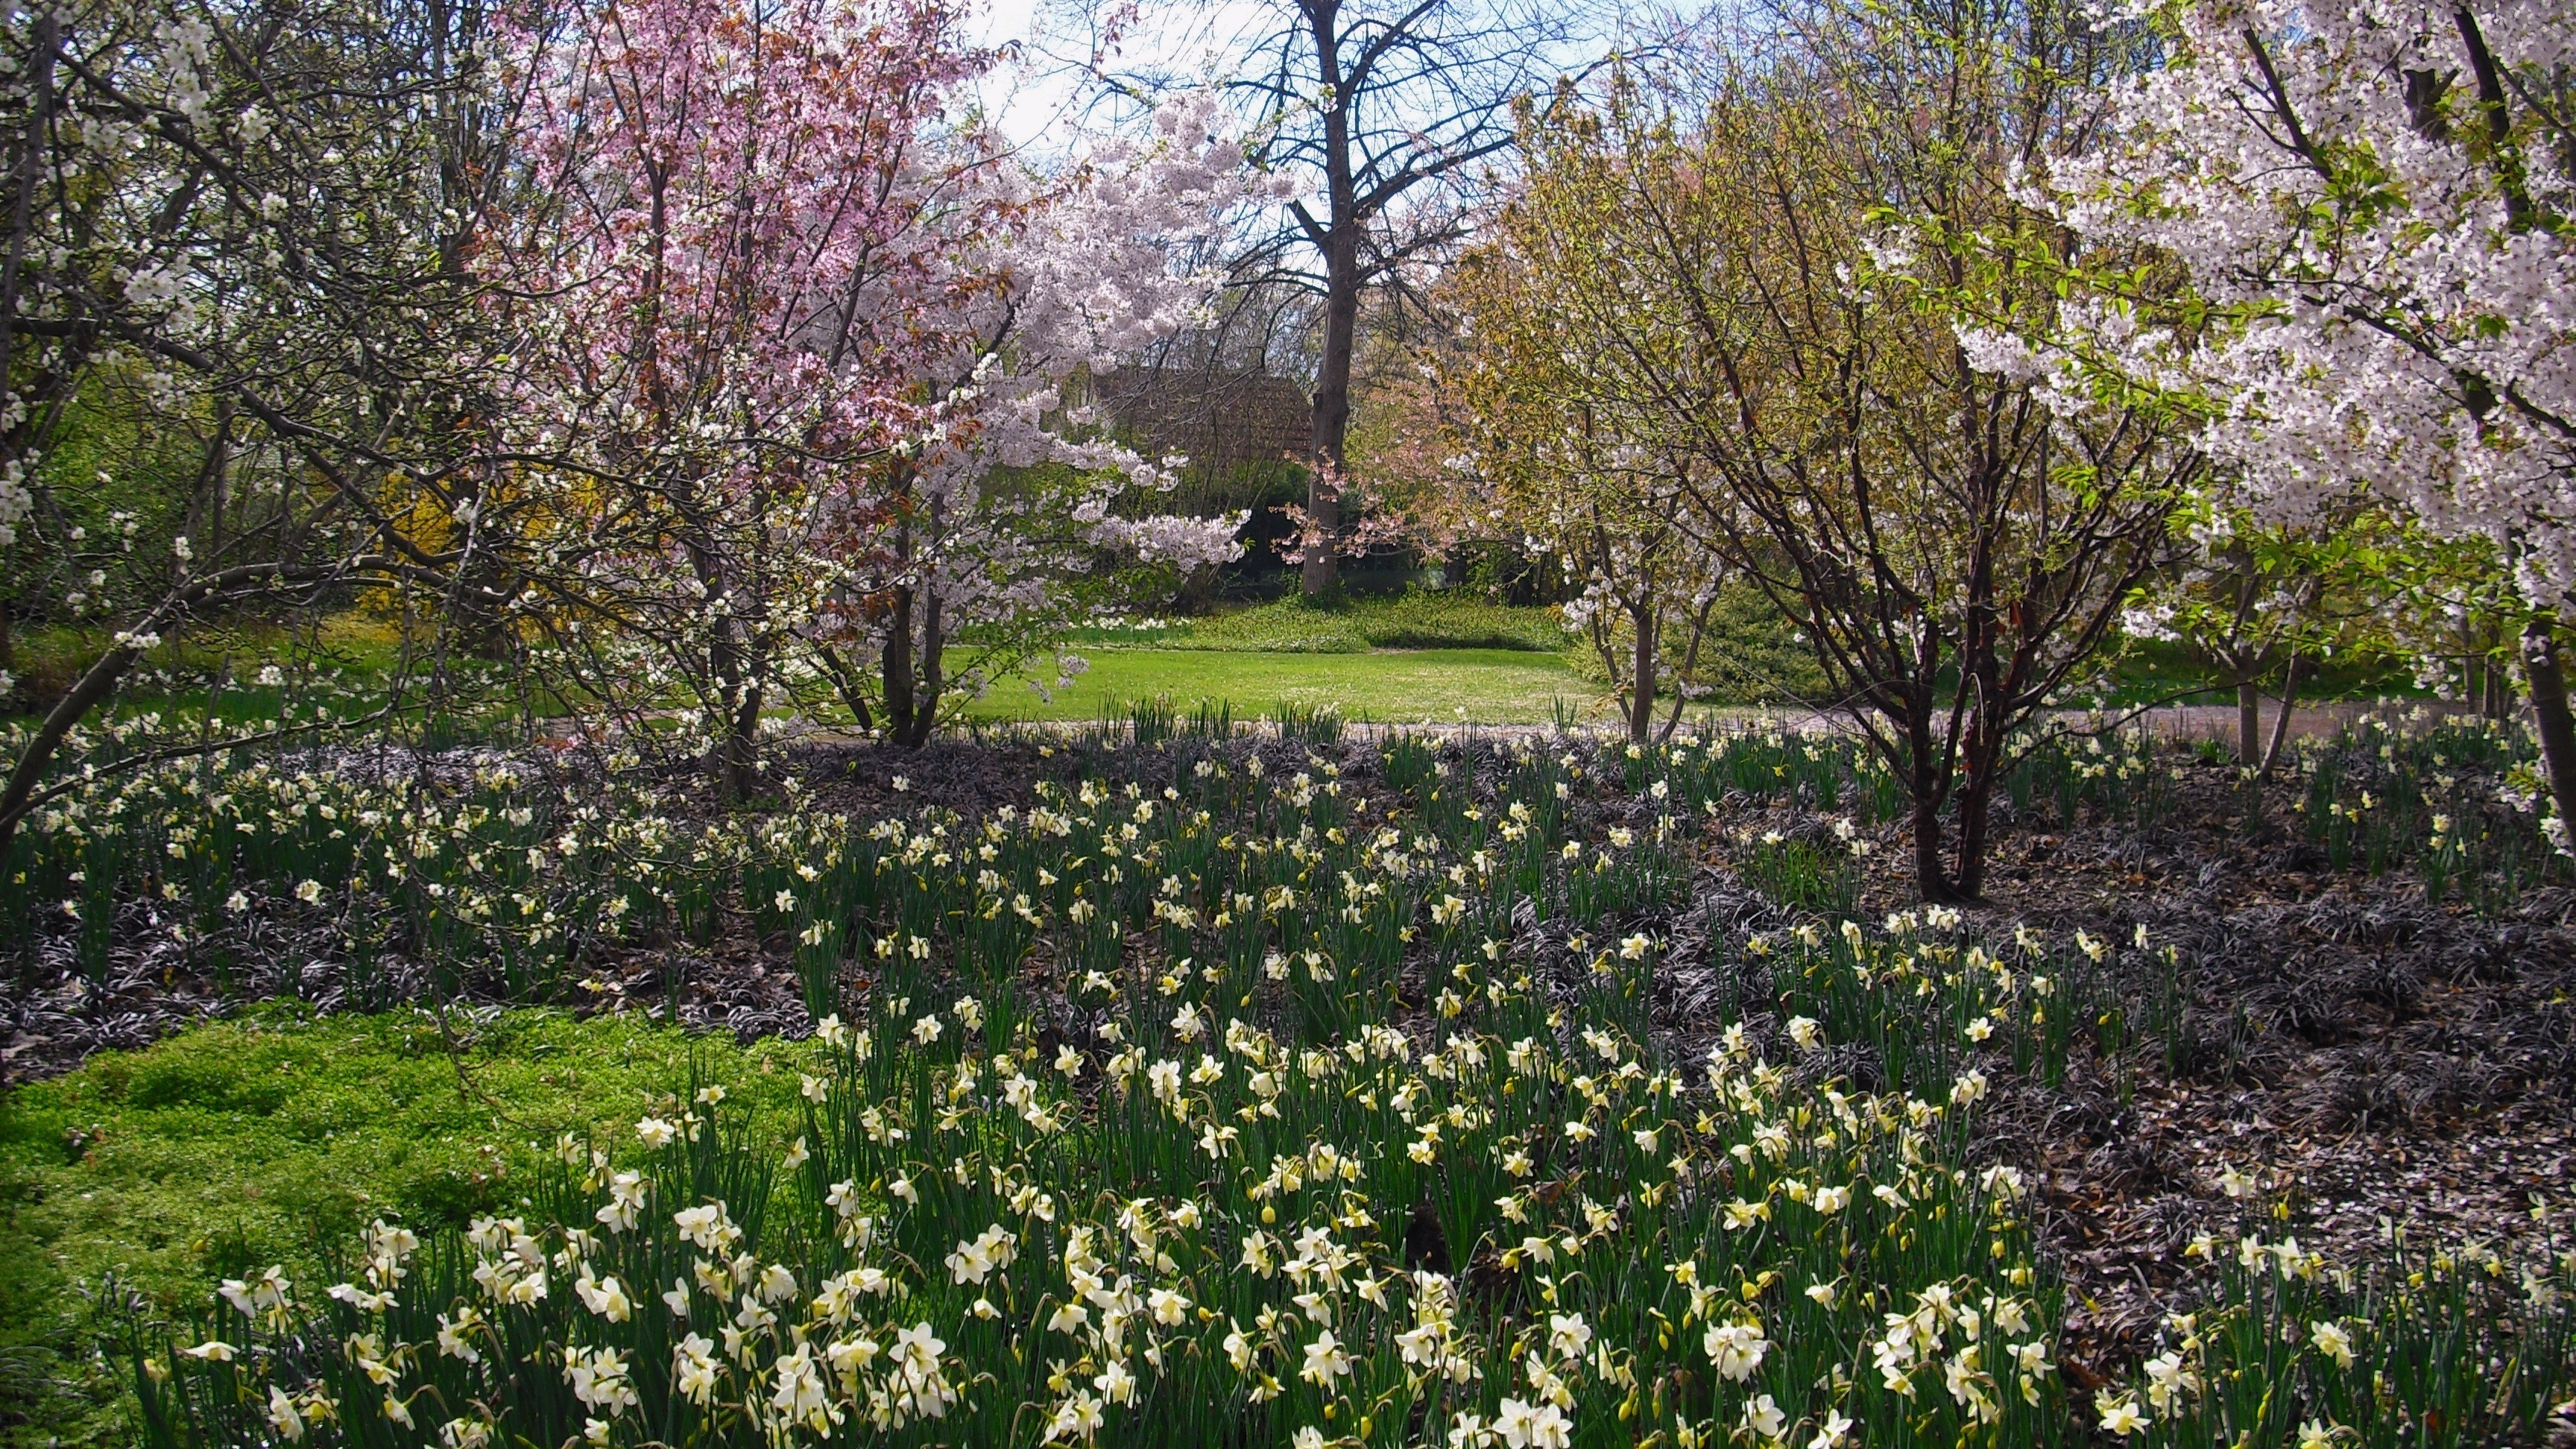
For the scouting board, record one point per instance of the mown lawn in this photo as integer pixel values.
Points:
(1456, 620)
(1403, 686)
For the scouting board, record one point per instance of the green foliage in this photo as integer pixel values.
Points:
(1807, 876)
(217, 664)
(2137, 672)
(115, 484)
(2378, 799)
(1821, 770)
(1256, 487)
(2116, 773)
(1753, 655)
(1313, 724)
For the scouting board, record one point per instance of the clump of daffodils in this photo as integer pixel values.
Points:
(1240, 1105)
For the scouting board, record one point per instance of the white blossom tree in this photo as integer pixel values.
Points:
(234, 232)
(1017, 511)
(2372, 201)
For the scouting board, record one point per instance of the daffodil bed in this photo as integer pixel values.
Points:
(1219, 1096)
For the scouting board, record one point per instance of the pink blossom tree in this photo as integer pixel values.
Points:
(2372, 202)
(733, 213)
(782, 326)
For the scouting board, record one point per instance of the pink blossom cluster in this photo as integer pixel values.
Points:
(735, 213)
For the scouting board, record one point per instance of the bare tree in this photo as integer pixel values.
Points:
(1555, 475)
(1380, 119)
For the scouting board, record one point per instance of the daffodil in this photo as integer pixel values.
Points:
(2120, 1414)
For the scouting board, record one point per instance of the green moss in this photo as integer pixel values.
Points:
(273, 1140)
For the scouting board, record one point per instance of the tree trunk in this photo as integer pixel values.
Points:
(1974, 792)
(737, 747)
(2249, 716)
(1321, 569)
(1931, 881)
(1340, 238)
(1976, 795)
(1928, 784)
(915, 731)
(1681, 672)
(2281, 722)
(738, 757)
(2546, 674)
(1641, 693)
(898, 665)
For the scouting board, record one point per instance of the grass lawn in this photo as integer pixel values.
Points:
(1455, 620)
(1408, 686)
(240, 1144)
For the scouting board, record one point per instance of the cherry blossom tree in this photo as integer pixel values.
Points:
(1017, 512)
(2372, 201)
(729, 214)
(793, 348)
(231, 261)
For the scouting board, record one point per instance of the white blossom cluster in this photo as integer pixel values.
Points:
(2374, 194)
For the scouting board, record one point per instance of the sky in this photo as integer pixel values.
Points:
(1034, 102)
(1026, 105)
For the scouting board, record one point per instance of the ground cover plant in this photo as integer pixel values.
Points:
(1379, 1087)
(268, 1138)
